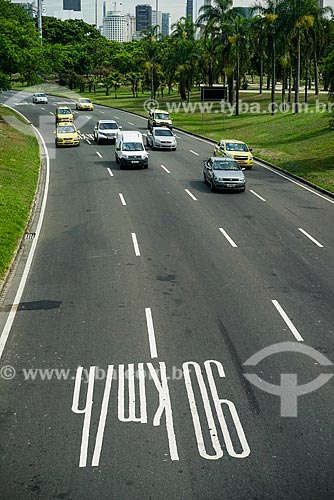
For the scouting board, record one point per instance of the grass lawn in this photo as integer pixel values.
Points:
(19, 168)
(300, 143)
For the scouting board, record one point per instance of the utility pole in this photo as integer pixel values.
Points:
(273, 64)
(39, 18)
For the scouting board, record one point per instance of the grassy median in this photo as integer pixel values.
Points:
(300, 143)
(19, 168)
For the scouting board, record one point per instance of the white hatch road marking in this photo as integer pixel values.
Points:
(135, 244)
(117, 117)
(166, 169)
(288, 321)
(296, 182)
(88, 117)
(257, 195)
(98, 154)
(190, 194)
(130, 123)
(90, 136)
(11, 316)
(310, 237)
(122, 199)
(88, 141)
(151, 335)
(110, 172)
(193, 152)
(229, 239)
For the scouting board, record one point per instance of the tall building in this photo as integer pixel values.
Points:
(165, 23)
(143, 17)
(321, 4)
(72, 5)
(115, 26)
(190, 10)
(131, 26)
(156, 20)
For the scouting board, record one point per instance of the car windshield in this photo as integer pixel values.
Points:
(133, 146)
(225, 165)
(66, 129)
(84, 100)
(235, 146)
(162, 116)
(165, 133)
(108, 126)
(40, 95)
(64, 111)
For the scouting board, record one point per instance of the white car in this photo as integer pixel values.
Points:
(130, 150)
(106, 130)
(39, 98)
(161, 138)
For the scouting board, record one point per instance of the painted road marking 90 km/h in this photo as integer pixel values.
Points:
(217, 430)
(151, 335)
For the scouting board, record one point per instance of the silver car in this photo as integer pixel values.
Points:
(224, 173)
(161, 138)
(39, 98)
(106, 130)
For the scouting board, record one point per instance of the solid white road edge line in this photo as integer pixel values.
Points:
(11, 316)
(110, 172)
(255, 194)
(193, 152)
(190, 194)
(135, 244)
(296, 182)
(98, 154)
(288, 321)
(310, 237)
(166, 169)
(229, 239)
(122, 199)
(150, 330)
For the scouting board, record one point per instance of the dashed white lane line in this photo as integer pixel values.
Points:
(98, 154)
(150, 330)
(288, 321)
(135, 244)
(87, 140)
(193, 152)
(51, 113)
(130, 123)
(43, 109)
(257, 195)
(229, 239)
(190, 194)
(102, 112)
(166, 169)
(310, 237)
(110, 172)
(122, 199)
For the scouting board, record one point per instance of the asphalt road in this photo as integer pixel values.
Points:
(146, 295)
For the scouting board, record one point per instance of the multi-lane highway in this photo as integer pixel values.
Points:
(126, 329)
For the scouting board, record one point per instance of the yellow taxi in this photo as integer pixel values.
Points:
(237, 150)
(63, 114)
(84, 104)
(67, 135)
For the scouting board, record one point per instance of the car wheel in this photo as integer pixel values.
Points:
(116, 158)
(242, 190)
(145, 166)
(205, 180)
(213, 187)
(121, 166)
(97, 140)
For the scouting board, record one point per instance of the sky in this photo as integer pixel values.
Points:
(176, 8)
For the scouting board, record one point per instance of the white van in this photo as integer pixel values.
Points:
(130, 150)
